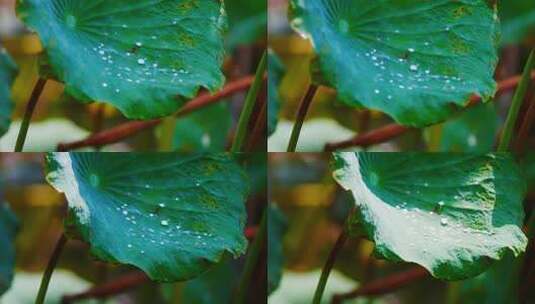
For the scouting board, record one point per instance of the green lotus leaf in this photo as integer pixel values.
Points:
(276, 72)
(171, 215)
(276, 229)
(454, 214)
(418, 61)
(9, 226)
(144, 57)
(8, 71)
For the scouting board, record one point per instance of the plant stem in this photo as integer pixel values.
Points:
(328, 266)
(518, 98)
(391, 131)
(250, 100)
(30, 107)
(50, 269)
(167, 132)
(384, 285)
(252, 259)
(125, 130)
(301, 114)
(259, 131)
(525, 127)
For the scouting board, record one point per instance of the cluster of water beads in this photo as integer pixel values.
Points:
(147, 73)
(444, 221)
(419, 79)
(168, 231)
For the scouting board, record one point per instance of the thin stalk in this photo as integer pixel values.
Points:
(259, 130)
(252, 259)
(248, 107)
(525, 127)
(50, 269)
(518, 98)
(301, 114)
(329, 266)
(30, 107)
(167, 133)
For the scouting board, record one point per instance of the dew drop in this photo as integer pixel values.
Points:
(161, 205)
(444, 221)
(141, 61)
(164, 223)
(472, 140)
(139, 44)
(414, 67)
(129, 245)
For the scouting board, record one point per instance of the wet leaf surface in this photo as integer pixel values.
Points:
(171, 215)
(144, 57)
(417, 61)
(451, 213)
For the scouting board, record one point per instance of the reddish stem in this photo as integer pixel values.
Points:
(117, 286)
(391, 131)
(384, 285)
(128, 129)
(127, 281)
(370, 138)
(525, 127)
(259, 130)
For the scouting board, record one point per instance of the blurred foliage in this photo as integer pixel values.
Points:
(315, 134)
(297, 288)
(8, 231)
(473, 130)
(63, 282)
(43, 136)
(205, 130)
(276, 227)
(518, 20)
(247, 21)
(276, 71)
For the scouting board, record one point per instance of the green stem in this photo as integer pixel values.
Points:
(167, 133)
(301, 114)
(518, 98)
(252, 259)
(329, 266)
(37, 90)
(50, 269)
(250, 100)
